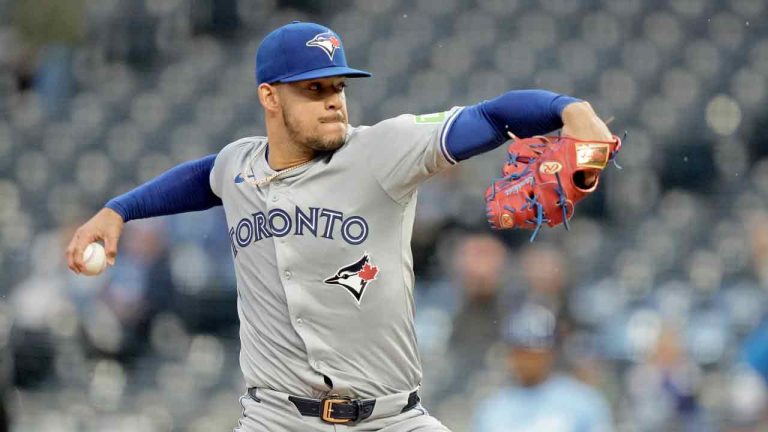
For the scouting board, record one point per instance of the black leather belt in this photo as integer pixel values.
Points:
(340, 409)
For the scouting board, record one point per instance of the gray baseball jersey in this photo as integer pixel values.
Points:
(323, 258)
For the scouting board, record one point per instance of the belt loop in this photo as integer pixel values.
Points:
(252, 394)
(413, 400)
(359, 406)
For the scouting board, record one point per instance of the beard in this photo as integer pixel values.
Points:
(315, 143)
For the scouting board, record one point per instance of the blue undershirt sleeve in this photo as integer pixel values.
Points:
(483, 127)
(183, 188)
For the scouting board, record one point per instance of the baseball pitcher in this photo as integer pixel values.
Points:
(320, 216)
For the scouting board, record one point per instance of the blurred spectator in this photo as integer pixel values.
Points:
(545, 273)
(664, 390)
(50, 30)
(750, 400)
(40, 304)
(458, 316)
(202, 272)
(480, 261)
(540, 400)
(437, 213)
(139, 287)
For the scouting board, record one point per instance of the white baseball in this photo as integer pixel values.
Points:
(95, 259)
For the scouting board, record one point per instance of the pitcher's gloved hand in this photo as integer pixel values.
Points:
(544, 178)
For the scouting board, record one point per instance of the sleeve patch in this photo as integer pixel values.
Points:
(433, 118)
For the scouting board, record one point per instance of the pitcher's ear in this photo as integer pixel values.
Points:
(269, 96)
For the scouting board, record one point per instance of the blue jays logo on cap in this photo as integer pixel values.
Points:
(328, 42)
(301, 51)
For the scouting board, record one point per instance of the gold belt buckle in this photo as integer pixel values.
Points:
(328, 404)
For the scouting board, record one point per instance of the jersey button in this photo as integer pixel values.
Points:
(299, 321)
(287, 274)
(275, 198)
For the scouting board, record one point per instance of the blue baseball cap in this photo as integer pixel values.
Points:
(300, 51)
(532, 327)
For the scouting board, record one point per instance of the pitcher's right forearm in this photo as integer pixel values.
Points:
(184, 188)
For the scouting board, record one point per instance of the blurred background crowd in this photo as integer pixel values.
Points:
(650, 299)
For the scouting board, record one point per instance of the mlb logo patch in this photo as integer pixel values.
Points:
(327, 41)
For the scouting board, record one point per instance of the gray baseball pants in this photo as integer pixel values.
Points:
(271, 411)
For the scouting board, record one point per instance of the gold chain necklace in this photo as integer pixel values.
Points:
(263, 181)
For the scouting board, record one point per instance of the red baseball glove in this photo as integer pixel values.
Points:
(544, 178)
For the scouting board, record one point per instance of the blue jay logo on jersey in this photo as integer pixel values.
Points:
(355, 277)
(327, 41)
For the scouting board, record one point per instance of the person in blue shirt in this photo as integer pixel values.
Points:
(541, 400)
